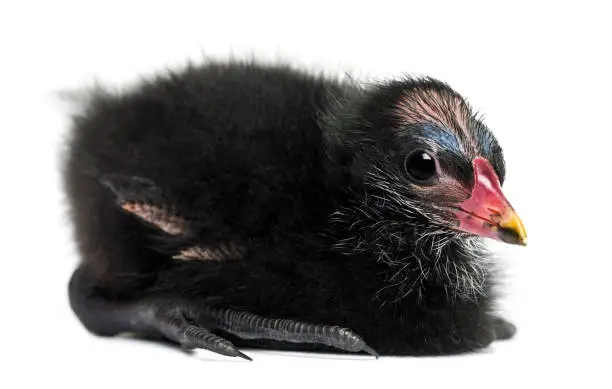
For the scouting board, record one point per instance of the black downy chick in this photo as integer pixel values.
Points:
(237, 204)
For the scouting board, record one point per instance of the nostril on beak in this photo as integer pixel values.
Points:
(494, 211)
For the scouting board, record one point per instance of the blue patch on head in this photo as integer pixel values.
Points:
(442, 137)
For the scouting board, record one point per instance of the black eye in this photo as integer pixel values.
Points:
(420, 166)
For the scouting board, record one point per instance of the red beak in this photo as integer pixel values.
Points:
(487, 212)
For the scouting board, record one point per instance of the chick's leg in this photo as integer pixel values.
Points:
(192, 325)
(250, 326)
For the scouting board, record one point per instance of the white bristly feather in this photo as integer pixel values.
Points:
(452, 258)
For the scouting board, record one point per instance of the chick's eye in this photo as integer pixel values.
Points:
(420, 166)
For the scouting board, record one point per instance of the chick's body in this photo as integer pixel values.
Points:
(244, 153)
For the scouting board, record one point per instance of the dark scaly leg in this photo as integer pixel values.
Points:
(250, 326)
(191, 325)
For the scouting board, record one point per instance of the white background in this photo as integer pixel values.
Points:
(539, 71)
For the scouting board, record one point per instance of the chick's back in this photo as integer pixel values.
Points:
(236, 144)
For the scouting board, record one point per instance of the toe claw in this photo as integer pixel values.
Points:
(243, 356)
(370, 351)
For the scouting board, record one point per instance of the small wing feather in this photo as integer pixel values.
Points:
(144, 199)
